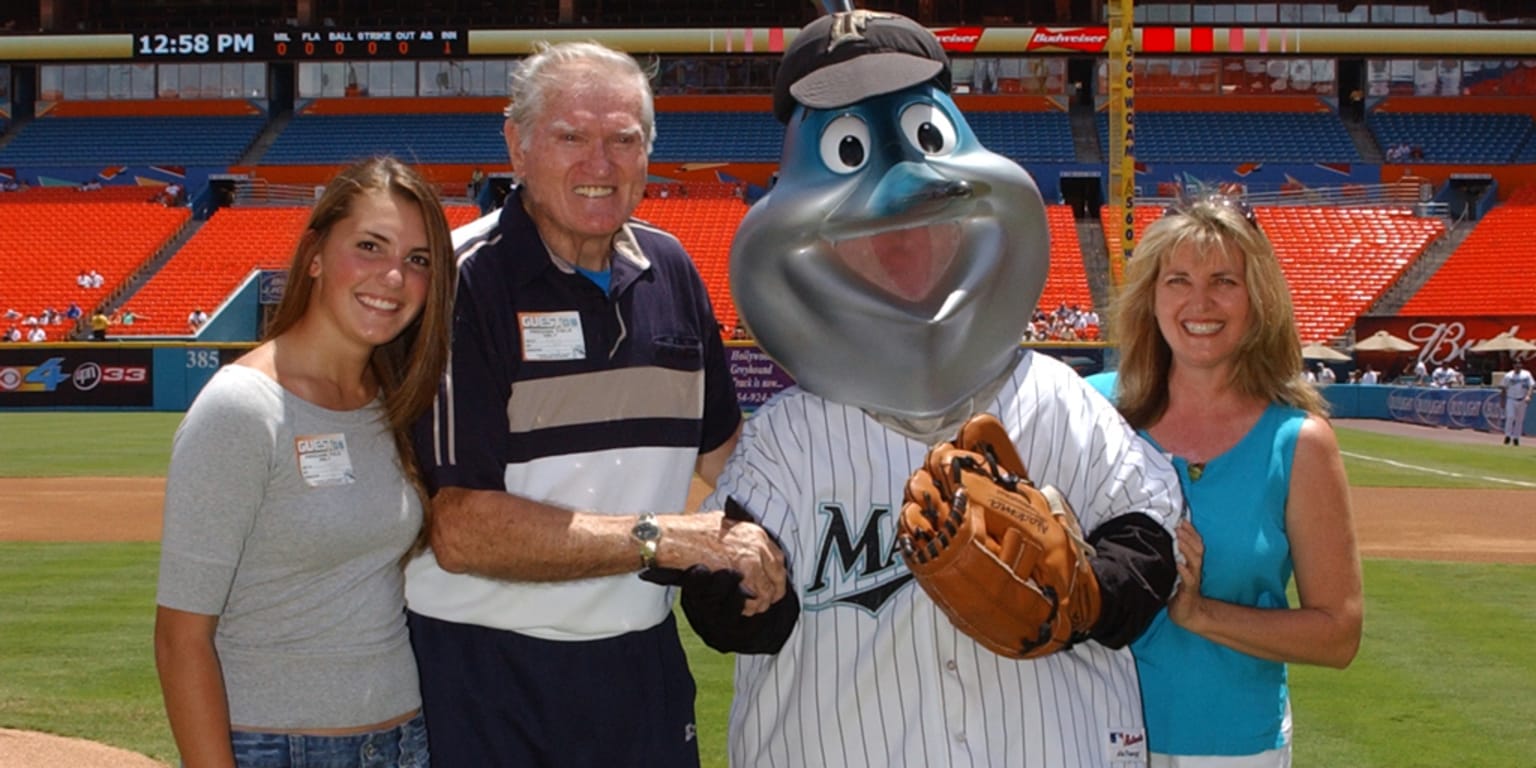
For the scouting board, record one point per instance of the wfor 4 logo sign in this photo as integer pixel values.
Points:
(43, 377)
(89, 375)
(49, 375)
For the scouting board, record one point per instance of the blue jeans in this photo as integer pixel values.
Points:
(403, 746)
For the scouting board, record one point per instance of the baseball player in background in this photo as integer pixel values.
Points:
(1518, 384)
(891, 271)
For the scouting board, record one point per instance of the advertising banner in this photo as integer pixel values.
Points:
(1480, 409)
(1448, 339)
(758, 377)
(52, 377)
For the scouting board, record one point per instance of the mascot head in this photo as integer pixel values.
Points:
(896, 262)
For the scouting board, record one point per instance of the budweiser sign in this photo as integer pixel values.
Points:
(959, 39)
(1083, 39)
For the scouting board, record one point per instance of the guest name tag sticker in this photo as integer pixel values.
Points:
(323, 460)
(552, 336)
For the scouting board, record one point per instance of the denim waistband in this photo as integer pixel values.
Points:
(402, 746)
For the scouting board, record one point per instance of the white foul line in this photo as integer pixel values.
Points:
(1433, 471)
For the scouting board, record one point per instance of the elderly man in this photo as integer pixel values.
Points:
(588, 385)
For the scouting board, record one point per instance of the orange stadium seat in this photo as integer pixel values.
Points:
(52, 243)
(218, 259)
(1489, 274)
(1338, 261)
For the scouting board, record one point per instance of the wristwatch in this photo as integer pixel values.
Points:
(647, 534)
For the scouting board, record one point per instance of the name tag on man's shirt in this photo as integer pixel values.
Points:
(552, 336)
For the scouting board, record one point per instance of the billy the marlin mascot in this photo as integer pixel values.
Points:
(892, 270)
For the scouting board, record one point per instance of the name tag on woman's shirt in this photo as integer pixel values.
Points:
(323, 460)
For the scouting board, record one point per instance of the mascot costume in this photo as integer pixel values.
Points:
(891, 270)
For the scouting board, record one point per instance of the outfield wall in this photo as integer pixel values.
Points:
(166, 376)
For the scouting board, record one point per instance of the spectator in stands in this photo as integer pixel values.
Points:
(12, 314)
(1371, 375)
(476, 181)
(528, 605)
(171, 196)
(293, 496)
(129, 317)
(37, 334)
(1325, 375)
(1442, 376)
(74, 312)
(1420, 372)
(12, 334)
(196, 319)
(99, 324)
(83, 279)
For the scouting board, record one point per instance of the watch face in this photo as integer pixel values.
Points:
(646, 530)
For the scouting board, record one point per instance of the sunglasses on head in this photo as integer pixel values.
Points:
(1237, 204)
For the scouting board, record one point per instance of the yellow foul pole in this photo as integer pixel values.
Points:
(1122, 131)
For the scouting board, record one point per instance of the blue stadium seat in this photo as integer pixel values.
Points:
(414, 138)
(1223, 137)
(1457, 137)
(92, 141)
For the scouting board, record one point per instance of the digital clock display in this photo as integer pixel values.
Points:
(329, 43)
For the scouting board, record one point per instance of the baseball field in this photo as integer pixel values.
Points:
(1446, 675)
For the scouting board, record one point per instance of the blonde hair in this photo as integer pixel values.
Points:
(1268, 358)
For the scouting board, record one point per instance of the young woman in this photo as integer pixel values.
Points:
(1211, 373)
(293, 495)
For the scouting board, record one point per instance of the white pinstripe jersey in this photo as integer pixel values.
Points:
(874, 674)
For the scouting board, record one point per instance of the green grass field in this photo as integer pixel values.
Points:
(1446, 674)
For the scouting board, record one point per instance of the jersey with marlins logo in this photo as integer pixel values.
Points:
(874, 674)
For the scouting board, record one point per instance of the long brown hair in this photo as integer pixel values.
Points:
(409, 366)
(1268, 364)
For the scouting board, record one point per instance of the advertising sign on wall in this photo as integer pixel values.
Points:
(1480, 409)
(1445, 338)
(51, 377)
(758, 377)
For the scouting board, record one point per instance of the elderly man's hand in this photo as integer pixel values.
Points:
(718, 543)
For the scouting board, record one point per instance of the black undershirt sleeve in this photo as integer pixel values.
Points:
(1135, 565)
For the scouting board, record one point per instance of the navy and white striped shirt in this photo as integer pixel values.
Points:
(561, 393)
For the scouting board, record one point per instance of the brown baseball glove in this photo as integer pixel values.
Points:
(1004, 559)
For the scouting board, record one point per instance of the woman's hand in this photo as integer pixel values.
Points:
(1184, 607)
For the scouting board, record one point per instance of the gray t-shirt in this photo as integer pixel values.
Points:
(288, 521)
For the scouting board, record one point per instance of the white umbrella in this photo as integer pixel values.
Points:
(1318, 351)
(1384, 341)
(1504, 342)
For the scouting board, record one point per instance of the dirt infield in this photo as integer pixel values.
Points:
(1420, 524)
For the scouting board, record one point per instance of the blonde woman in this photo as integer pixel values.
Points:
(1211, 373)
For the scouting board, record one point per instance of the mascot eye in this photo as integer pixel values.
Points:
(845, 144)
(929, 129)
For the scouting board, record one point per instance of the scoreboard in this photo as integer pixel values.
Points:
(445, 42)
(329, 43)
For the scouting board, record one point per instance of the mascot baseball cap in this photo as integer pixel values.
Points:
(850, 56)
